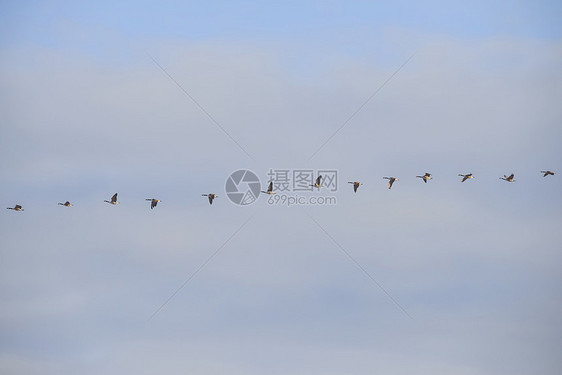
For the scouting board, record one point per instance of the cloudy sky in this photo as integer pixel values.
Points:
(166, 99)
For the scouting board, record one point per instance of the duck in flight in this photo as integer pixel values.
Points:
(66, 204)
(113, 199)
(318, 184)
(269, 189)
(211, 197)
(153, 202)
(17, 207)
(425, 177)
(356, 185)
(508, 178)
(546, 173)
(391, 181)
(466, 176)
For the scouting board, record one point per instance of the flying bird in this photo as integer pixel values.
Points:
(113, 199)
(66, 204)
(269, 189)
(17, 207)
(391, 181)
(508, 178)
(425, 177)
(211, 197)
(317, 184)
(546, 173)
(356, 185)
(153, 202)
(466, 176)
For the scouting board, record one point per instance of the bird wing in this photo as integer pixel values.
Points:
(210, 198)
(270, 187)
(355, 187)
(114, 198)
(318, 179)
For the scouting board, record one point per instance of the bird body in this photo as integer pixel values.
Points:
(466, 176)
(211, 197)
(356, 185)
(66, 204)
(317, 183)
(17, 207)
(508, 178)
(113, 199)
(153, 202)
(425, 177)
(269, 189)
(391, 181)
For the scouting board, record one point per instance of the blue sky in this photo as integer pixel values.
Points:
(86, 112)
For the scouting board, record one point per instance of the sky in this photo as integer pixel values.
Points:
(166, 99)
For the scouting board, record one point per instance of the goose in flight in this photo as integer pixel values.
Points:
(211, 197)
(318, 184)
(269, 189)
(391, 181)
(153, 202)
(66, 204)
(546, 173)
(508, 178)
(425, 177)
(466, 176)
(17, 207)
(113, 199)
(356, 185)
